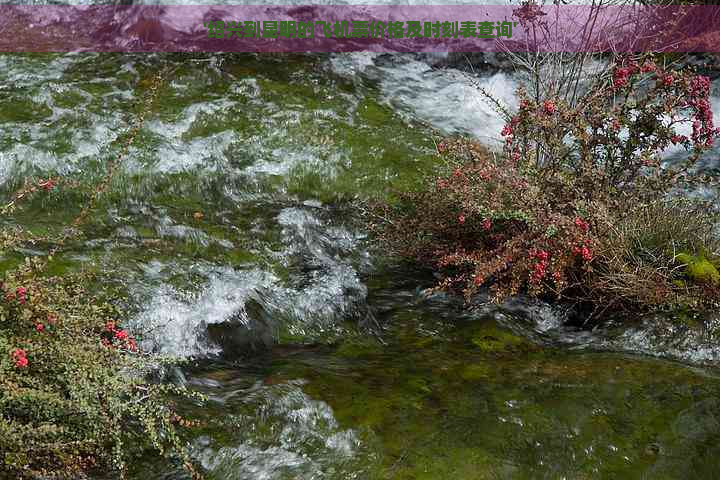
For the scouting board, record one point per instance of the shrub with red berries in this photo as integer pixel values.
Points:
(613, 140)
(64, 383)
(577, 204)
(486, 222)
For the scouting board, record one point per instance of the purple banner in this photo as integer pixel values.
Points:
(379, 28)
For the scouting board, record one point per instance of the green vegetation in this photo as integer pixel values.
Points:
(699, 269)
(579, 205)
(74, 389)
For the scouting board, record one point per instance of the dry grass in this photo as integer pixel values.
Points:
(637, 258)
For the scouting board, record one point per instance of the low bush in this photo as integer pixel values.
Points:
(74, 390)
(579, 205)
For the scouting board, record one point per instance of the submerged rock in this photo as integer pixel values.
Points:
(489, 338)
(693, 338)
(247, 332)
(483, 63)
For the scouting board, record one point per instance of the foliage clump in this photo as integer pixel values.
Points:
(580, 204)
(74, 390)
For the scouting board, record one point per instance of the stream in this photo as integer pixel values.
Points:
(233, 230)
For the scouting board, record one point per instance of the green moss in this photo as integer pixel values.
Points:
(359, 348)
(704, 272)
(419, 385)
(145, 232)
(62, 265)
(686, 316)
(372, 113)
(239, 257)
(475, 372)
(699, 269)
(23, 110)
(490, 338)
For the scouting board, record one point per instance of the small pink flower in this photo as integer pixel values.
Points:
(549, 107)
(486, 224)
(461, 218)
(506, 131)
(39, 327)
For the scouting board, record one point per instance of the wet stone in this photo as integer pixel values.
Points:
(245, 333)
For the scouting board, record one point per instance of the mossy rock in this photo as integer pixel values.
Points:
(699, 269)
(475, 372)
(493, 339)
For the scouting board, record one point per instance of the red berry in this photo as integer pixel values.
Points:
(121, 334)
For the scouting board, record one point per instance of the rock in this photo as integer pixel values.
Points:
(490, 338)
(246, 332)
(482, 63)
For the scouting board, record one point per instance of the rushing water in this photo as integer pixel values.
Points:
(232, 229)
